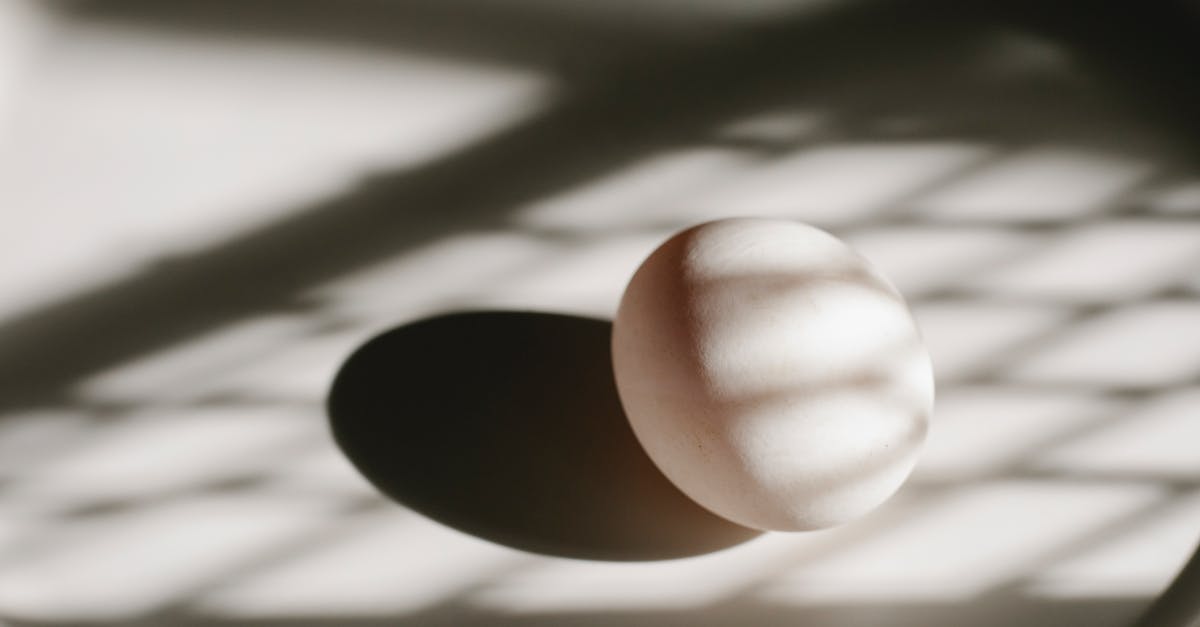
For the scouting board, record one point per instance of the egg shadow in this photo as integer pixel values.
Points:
(507, 426)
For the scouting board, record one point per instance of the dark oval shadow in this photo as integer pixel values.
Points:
(507, 426)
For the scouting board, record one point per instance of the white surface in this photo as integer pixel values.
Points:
(195, 480)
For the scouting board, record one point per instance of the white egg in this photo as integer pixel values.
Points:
(772, 374)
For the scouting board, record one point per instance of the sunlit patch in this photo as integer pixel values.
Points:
(982, 431)
(826, 334)
(651, 191)
(584, 277)
(380, 564)
(323, 471)
(1146, 345)
(187, 141)
(1157, 441)
(927, 257)
(120, 565)
(19, 531)
(297, 371)
(29, 439)
(1134, 560)
(157, 453)
(426, 277)
(834, 184)
(1114, 260)
(969, 338)
(23, 25)
(184, 371)
(1038, 184)
(760, 254)
(963, 544)
(1180, 199)
(878, 433)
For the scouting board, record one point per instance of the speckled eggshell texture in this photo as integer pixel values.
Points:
(772, 374)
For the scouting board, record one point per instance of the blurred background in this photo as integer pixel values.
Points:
(206, 206)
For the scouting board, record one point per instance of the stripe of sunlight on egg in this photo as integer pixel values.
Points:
(583, 274)
(1144, 345)
(1108, 261)
(184, 371)
(966, 337)
(983, 431)
(924, 258)
(1137, 563)
(834, 184)
(165, 452)
(1040, 183)
(128, 145)
(119, 565)
(421, 281)
(1157, 442)
(871, 334)
(961, 543)
(381, 563)
(549, 586)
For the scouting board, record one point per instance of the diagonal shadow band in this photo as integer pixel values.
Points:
(657, 102)
(507, 426)
(641, 105)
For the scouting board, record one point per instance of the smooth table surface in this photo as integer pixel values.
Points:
(205, 209)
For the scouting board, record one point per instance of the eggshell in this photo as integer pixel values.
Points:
(772, 374)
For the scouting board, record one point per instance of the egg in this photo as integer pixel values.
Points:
(772, 374)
